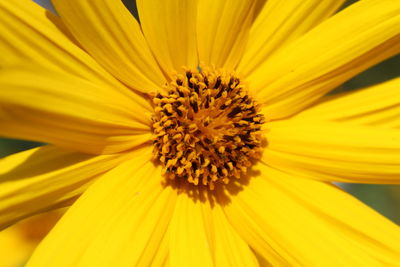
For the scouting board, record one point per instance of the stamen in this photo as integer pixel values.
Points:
(206, 128)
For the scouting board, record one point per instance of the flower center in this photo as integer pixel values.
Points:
(206, 127)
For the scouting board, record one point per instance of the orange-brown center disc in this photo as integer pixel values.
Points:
(206, 127)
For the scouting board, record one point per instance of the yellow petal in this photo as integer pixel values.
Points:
(158, 257)
(190, 238)
(334, 151)
(170, 30)
(18, 241)
(311, 223)
(119, 221)
(378, 105)
(337, 49)
(66, 110)
(262, 261)
(222, 31)
(29, 33)
(113, 37)
(200, 235)
(281, 22)
(230, 248)
(43, 178)
(14, 248)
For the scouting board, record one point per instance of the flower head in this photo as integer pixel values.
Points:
(201, 135)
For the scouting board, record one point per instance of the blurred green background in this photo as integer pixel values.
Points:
(383, 198)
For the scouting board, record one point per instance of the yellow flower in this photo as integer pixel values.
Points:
(91, 82)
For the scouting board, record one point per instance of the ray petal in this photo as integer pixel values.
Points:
(281, 22)
(339, 48)
(311, 223)
(378, 105)
(44, 178)
(113, 37)
(170, 30)
(62, 109)
(120, 220)
(222, 31)
(334, 151)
